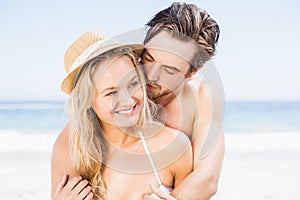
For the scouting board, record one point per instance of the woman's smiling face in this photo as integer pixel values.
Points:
(119, 95)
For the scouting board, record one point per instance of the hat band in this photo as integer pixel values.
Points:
(88, 53)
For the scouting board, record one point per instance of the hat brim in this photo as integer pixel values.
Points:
(68, 82)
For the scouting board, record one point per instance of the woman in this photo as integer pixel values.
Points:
(112, 148)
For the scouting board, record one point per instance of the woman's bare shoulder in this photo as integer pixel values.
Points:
(172, 135)
(60, 159)
(62, 140)
(61, 150)
(166, 139)
(171, 148)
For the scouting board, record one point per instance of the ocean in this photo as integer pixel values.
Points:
(262, 117)
(28, 117)
(240, 117)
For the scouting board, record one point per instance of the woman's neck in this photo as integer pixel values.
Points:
(120, 137)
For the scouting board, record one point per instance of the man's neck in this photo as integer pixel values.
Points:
(169, 98)
(165, 100)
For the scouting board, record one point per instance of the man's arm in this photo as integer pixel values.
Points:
(202, 183)
(208, 150)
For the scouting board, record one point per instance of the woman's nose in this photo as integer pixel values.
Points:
(126, 98)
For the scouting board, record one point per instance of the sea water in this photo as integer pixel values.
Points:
(50, 116)
(29, 117)
(30, 126)
(258, 117)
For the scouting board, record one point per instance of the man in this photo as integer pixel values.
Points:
(180, 39)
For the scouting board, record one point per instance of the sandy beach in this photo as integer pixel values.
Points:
(257, 166)
(261, 166)
(25, 165)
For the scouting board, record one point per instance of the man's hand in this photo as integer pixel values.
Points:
(157, 194)
(73, 189)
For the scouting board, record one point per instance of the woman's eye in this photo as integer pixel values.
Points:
(111, 93)
(133, 84)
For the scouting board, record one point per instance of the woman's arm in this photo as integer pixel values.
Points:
(65, 182)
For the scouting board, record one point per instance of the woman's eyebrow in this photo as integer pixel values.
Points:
(107, 89)
(135, 76)
(112, 88)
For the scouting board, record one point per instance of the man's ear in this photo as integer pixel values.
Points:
(194, 72)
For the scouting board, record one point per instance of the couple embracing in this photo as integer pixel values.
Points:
(142, 123)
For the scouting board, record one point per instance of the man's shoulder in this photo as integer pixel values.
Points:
(197, 86)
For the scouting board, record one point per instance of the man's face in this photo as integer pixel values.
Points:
(166, 62)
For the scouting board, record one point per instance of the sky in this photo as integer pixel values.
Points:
(257, 54)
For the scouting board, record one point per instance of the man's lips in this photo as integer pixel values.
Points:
(151, 86)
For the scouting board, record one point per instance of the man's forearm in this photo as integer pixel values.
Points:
(197, 186)
(202, 183)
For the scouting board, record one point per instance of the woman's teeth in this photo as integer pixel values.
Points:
(126, 111)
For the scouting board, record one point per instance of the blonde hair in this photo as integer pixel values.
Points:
(87, 141)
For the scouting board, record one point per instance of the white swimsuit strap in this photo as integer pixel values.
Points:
(149, 157)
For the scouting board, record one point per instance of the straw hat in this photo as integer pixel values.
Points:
(88, 46)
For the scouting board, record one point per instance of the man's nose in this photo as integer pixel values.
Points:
(154, 72)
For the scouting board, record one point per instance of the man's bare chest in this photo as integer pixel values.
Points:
(179, 117)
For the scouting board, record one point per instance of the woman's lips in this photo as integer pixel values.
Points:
(127, 112)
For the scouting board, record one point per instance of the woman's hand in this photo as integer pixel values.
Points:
(159, 194)
(74, 189)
